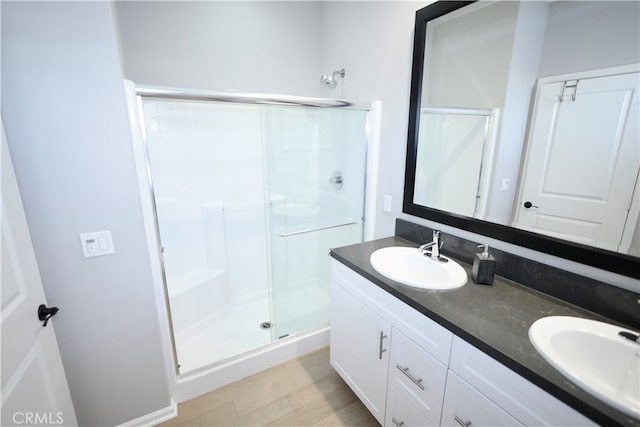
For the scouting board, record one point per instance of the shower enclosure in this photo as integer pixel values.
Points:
(250, 194)
(465, 139)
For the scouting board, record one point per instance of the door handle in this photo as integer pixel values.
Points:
(528, 205)
(45, 313)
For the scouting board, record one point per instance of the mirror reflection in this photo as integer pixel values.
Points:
(529, 118)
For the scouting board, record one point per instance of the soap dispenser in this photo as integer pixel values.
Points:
(484, 267)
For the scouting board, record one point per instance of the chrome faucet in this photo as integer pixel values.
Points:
(435, 248)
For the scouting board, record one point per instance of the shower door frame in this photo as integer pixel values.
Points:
(135, 94)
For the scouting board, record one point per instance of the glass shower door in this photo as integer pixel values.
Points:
(452, 153)
(207, 167)
(316, 182)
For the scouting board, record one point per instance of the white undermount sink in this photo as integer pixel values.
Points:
(409, 267)
(594, 356)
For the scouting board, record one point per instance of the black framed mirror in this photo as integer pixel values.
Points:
(420, 200)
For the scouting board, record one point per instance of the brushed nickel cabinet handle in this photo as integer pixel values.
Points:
(381, 350)
(461, 422)
(416, 381)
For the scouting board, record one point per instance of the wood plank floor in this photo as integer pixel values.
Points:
(301, 392)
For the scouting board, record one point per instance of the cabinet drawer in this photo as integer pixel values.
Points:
(465, 406)
(405, 411)
(531, 405)
(418, 374)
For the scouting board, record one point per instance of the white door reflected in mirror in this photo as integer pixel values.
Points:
(591, 201)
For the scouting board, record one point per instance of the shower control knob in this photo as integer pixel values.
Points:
(528, 205)
(336, 180)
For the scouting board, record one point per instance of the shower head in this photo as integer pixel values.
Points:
(329, 80)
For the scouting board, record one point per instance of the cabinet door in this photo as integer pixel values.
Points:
(464, 406)
(360, 349)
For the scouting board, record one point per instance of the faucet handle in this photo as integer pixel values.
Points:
(436, 238)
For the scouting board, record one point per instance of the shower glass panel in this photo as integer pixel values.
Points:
(316, 164)
(249, 198)
(206, 165)
(450, 156)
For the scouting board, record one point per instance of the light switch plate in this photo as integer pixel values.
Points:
(96, 244)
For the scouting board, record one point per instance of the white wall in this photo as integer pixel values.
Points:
(373, 41)
(260, 46)
(468, 65)
(64, 110)
(590, 35)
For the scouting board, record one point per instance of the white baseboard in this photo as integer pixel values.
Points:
(155, 417)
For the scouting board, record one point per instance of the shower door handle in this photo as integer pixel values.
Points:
(311, 230)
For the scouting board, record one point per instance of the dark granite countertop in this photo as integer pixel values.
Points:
(495, 319)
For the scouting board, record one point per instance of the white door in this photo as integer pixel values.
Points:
(582, 161)
(34, 386)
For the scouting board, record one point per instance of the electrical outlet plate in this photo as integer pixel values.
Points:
(387, 203)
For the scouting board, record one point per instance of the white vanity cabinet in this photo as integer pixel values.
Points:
(360, 349)
(410, 371)
(391, 355)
